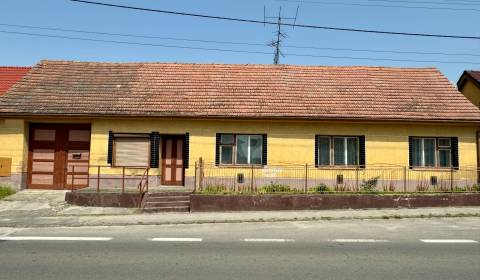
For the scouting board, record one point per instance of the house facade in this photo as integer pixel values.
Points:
(469, 85)
(67, 122)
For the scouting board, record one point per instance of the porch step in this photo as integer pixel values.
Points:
(169, 198)
(166, 209)
(181, 203)
(162, 194)
(166, 202)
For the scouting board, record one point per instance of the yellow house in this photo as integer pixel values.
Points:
(469, 85)
(67, 123)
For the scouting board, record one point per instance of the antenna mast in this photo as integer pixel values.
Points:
(280, 35)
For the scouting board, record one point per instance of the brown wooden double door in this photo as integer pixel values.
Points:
(173, 149)
(58, 156)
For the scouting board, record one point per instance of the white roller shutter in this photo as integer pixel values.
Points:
(132, 151)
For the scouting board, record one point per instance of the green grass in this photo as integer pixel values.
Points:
(6, 191)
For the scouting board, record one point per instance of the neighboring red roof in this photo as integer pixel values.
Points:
(67, 88)
(475, 75)
(9, 75)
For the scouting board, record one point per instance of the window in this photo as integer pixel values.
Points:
(338, 150)
(431, 152)
(131, 150)
(240, 149)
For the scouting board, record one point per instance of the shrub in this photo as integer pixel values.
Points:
(275, 188)
(476, 188)
(321, 188)
(6, 191)
(459, 189)
(370, 185)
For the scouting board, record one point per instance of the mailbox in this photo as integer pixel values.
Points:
(5, 167)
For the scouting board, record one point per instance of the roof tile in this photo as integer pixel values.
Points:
(9, 75)
(243, 91)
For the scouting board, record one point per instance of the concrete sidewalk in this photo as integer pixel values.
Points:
(48, 209)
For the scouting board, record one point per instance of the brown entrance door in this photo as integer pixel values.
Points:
(58, 156)
(172, 160)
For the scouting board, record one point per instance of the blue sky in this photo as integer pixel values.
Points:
(27, 50)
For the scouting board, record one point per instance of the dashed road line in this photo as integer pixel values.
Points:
(175, 239)
(359, 240)
(448, 241)
(268, 240)
(53, 238)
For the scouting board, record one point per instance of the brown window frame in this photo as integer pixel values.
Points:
(438, 148)
(332, 151)
(234, 150)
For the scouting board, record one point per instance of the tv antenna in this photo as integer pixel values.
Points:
(280, 35)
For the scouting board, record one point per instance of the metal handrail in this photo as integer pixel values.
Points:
(143, 187)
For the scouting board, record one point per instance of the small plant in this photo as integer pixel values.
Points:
(275, 188)
(321, 188)
(459, 189)
(370, 185)
(391, 187)
(6, 191)
(340, 188)
(215, 189)
(422, 187)
(475, 188)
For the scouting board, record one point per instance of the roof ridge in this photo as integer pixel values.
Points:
(45, 61)
(15, 67)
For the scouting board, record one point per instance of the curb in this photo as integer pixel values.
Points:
(232, 221)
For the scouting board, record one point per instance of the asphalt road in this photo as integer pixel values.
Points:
(375, 249)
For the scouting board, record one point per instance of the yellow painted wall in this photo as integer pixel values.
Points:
(13, 143)
(472, 92)
(289, 142)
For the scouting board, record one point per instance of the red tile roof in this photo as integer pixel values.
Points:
(10, 75)
(237, 91)
(475, 75)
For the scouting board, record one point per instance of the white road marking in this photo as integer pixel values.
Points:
(175, 239)
(52, 238)
(268, 240)
(448, 241)
(358, 240)
(8, 232)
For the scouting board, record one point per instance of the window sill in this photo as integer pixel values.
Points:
(256, 166)
(418, 168)
(336, 167)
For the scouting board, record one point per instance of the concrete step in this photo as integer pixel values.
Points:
(150, 204)
(168, 198)
(166, 209)
(163, 194)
